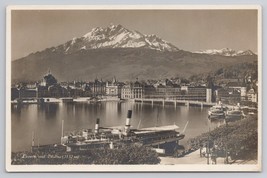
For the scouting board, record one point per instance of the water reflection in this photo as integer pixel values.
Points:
(48, 111)
(45, 120)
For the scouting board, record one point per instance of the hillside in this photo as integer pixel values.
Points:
(125, 63)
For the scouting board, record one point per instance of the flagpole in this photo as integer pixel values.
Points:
(208, 149)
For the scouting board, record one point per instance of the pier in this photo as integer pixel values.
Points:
(174, 102)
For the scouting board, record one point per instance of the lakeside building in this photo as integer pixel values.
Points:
(228, 95)
(98, 87)
(132, 90)
(240, 87)
(149, 91)
(86, 90)
(48, 80)
(56, 91)
(235, 92)
(252, 96)
(167, 91)
(113, 88)
(26, 93)
(14, 93)
(198, 93)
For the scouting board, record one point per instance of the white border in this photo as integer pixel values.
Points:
(129, 168)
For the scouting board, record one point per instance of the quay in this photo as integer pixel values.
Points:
(187, 103)
(174, 102)
(61, 100)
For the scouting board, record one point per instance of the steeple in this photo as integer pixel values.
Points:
(114, 80)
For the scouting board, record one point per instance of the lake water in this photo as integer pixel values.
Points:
(46, 120)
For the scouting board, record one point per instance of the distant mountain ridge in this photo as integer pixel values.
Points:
(226, 52)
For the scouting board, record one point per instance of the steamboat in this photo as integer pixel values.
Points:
(164, 139)
(228, 113)
(217, 112)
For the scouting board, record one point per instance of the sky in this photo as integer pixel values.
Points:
(190, 30)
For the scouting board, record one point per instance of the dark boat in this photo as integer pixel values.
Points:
(164, 139)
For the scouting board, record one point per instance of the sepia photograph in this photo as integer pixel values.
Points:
(133, 88)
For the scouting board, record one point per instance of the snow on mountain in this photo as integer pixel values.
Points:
(243, 53)
(226, 52)
(116, 36)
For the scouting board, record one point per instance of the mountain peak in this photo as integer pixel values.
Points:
(226, 52)
(117, 36)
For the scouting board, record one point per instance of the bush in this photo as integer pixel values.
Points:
(126, 154)
(240, 138)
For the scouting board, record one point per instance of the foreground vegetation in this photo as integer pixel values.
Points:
(130, 154)
(239, 139)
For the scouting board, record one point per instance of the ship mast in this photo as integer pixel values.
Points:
(62, 129)
(157, 122)
(32, 140)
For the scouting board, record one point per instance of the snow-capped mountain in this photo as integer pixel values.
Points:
(117, 51)
(226, 52)
(116, 36)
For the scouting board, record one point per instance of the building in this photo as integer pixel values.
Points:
(113, 88)
(149, 91)
(243, 93)
(98, 87)
(228, 95)
(167, 91)
(197, 93)
(14, 93)
(132, 90)
(48, 80)
(26, 93)
(252, 95)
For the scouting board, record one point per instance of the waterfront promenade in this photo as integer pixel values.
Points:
(174, 102)
(142, 100)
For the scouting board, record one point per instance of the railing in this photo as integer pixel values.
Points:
(190, 102)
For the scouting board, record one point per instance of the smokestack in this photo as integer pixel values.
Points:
(97, 125)
(128, 120)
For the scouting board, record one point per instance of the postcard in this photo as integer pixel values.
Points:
(134, 88)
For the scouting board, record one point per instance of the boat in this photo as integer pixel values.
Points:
(94, 100)
(234, 113)
(159, 138)
(217, 112)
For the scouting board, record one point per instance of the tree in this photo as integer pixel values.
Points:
(50, 80)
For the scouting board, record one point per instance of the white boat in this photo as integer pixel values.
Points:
(217, 112)
(234, 113)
